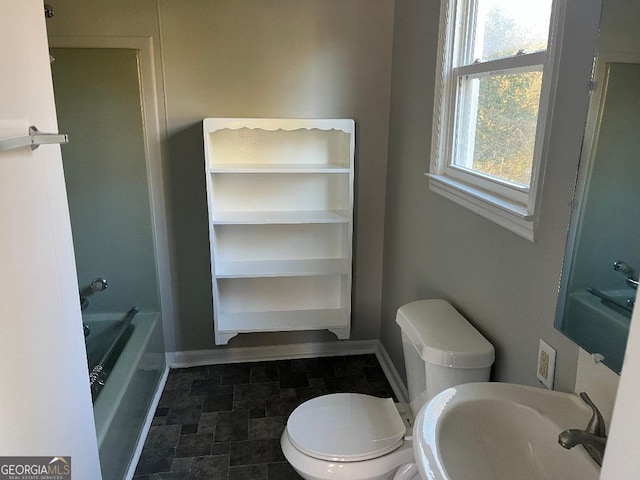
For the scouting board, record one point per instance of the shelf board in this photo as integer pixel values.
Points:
(280, 217)
(277, 321)
(278, 168)
(281, 268)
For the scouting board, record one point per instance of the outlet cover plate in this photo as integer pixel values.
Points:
(546, 364)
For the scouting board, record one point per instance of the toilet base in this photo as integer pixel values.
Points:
(380, 468)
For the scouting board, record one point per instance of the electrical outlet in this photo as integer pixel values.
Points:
(546, 364)
(543, 369)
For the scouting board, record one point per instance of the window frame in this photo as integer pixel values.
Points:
(513, 207)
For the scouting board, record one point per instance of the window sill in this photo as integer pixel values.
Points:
(506, 213)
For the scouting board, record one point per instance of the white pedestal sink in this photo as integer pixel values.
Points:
(501, 431)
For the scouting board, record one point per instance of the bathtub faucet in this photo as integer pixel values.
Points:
(622, 267)
(98, 285)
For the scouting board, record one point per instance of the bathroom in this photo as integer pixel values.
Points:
(409, 242)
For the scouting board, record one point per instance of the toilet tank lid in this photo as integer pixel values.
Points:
(442, 336)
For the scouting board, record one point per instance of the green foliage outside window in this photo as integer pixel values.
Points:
(507, 110)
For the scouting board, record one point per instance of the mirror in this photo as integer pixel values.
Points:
(602, 261)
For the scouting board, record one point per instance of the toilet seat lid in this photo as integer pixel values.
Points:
(346, 427)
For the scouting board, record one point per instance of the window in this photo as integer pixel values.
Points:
(492, 104)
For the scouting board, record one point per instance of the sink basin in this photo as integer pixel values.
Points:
(501, 431)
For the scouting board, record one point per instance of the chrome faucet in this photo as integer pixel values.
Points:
(621, 266)
(98, 285)
(593, 438)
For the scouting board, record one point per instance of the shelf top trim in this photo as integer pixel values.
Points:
(273, 124)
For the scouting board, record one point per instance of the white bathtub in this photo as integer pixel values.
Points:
(597, 327)
(121, 407)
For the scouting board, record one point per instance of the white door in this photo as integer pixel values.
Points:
(45, 403)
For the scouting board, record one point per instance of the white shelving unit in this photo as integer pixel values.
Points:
(280, 198)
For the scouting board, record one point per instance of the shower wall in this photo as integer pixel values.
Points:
(98, 103)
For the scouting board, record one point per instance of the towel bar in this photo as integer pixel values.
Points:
(33, 140)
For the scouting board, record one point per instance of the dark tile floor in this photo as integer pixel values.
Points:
(223, 422)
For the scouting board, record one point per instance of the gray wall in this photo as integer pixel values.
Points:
(504, 284)
(619, 27)
(98, 105)
(273, 58)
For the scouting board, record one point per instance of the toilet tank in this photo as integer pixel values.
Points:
(441, 350)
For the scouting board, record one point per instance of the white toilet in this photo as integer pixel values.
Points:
(351, 436)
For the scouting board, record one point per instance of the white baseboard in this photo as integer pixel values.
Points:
(398, 386)
(196, 358)
(147, 425)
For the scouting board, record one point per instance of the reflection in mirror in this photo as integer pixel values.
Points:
(603, 259)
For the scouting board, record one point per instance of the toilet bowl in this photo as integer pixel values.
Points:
(350, 436)
(346, 436)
